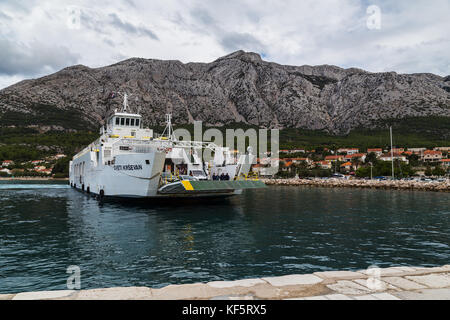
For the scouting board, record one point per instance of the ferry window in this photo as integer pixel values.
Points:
(122, 121)
(137, 122)
(127, 121)
(117, 121)
(132, 122)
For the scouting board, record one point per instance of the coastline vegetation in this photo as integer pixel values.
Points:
(21, 144)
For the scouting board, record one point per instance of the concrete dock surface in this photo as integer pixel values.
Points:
(394, 283)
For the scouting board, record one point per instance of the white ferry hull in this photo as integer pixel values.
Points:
(131, 176)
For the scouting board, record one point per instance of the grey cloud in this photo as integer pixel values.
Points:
(4, 16)
(89, 22)
(230, 41)
(130, 2)
(131, 29)
(109, 42)
(33, 59)
(203, 17)
(233, 41)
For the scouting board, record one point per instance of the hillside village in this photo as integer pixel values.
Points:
(36, 168)
(324, 162)
(320, 162)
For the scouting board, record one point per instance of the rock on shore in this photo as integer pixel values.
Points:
(373, 184)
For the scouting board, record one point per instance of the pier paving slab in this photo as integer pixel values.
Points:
(425, 294)
(392, 271)
(384, 296)
(40, 295)
(316, 298)
(403, 283)
(365, 297)
(236, 283)
(296, 279)
(432, 280)
(348, 287)
(338, 296)
(119, 293)
(340, 275)
(383, 286)
(193, 291)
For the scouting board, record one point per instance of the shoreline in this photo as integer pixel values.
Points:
(370, 184)
(393, 283)
(32, 179)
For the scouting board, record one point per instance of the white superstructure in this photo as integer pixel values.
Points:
(128, 160)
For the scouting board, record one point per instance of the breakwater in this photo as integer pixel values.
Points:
(438, 186)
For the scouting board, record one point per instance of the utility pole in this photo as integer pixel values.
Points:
(392, 154)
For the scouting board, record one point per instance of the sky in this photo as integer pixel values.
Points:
(39, 37)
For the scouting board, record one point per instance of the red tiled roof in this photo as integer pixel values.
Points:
(432, 152)
(355, 155)
(333, 157)
(346, 164)
(388, 155)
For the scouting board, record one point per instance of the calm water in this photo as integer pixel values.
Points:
(44, 228)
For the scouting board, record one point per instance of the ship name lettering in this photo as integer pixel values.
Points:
(128, 167)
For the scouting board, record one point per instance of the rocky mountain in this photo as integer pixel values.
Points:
(239, 87)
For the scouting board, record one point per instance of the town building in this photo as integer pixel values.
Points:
(397, 156)
(347, 166)
(348, 150)
(323, 164)
(377, 151)
(445, 163)
(5, 170)
(431, 156)
(350, 157)
(7, 163)
(417, 150)
(334, 158)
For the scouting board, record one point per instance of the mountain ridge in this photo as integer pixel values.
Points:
(238, 87)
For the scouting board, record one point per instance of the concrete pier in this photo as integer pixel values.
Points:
(395, 283)
(371, 184)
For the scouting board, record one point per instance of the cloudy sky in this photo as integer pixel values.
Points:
(39, 37)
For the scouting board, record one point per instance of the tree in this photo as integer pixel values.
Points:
(413, 160)
(62, 166)
(428, 171)
(371, 157)
(438, 171)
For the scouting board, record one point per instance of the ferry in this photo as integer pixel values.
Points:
(130, 161)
